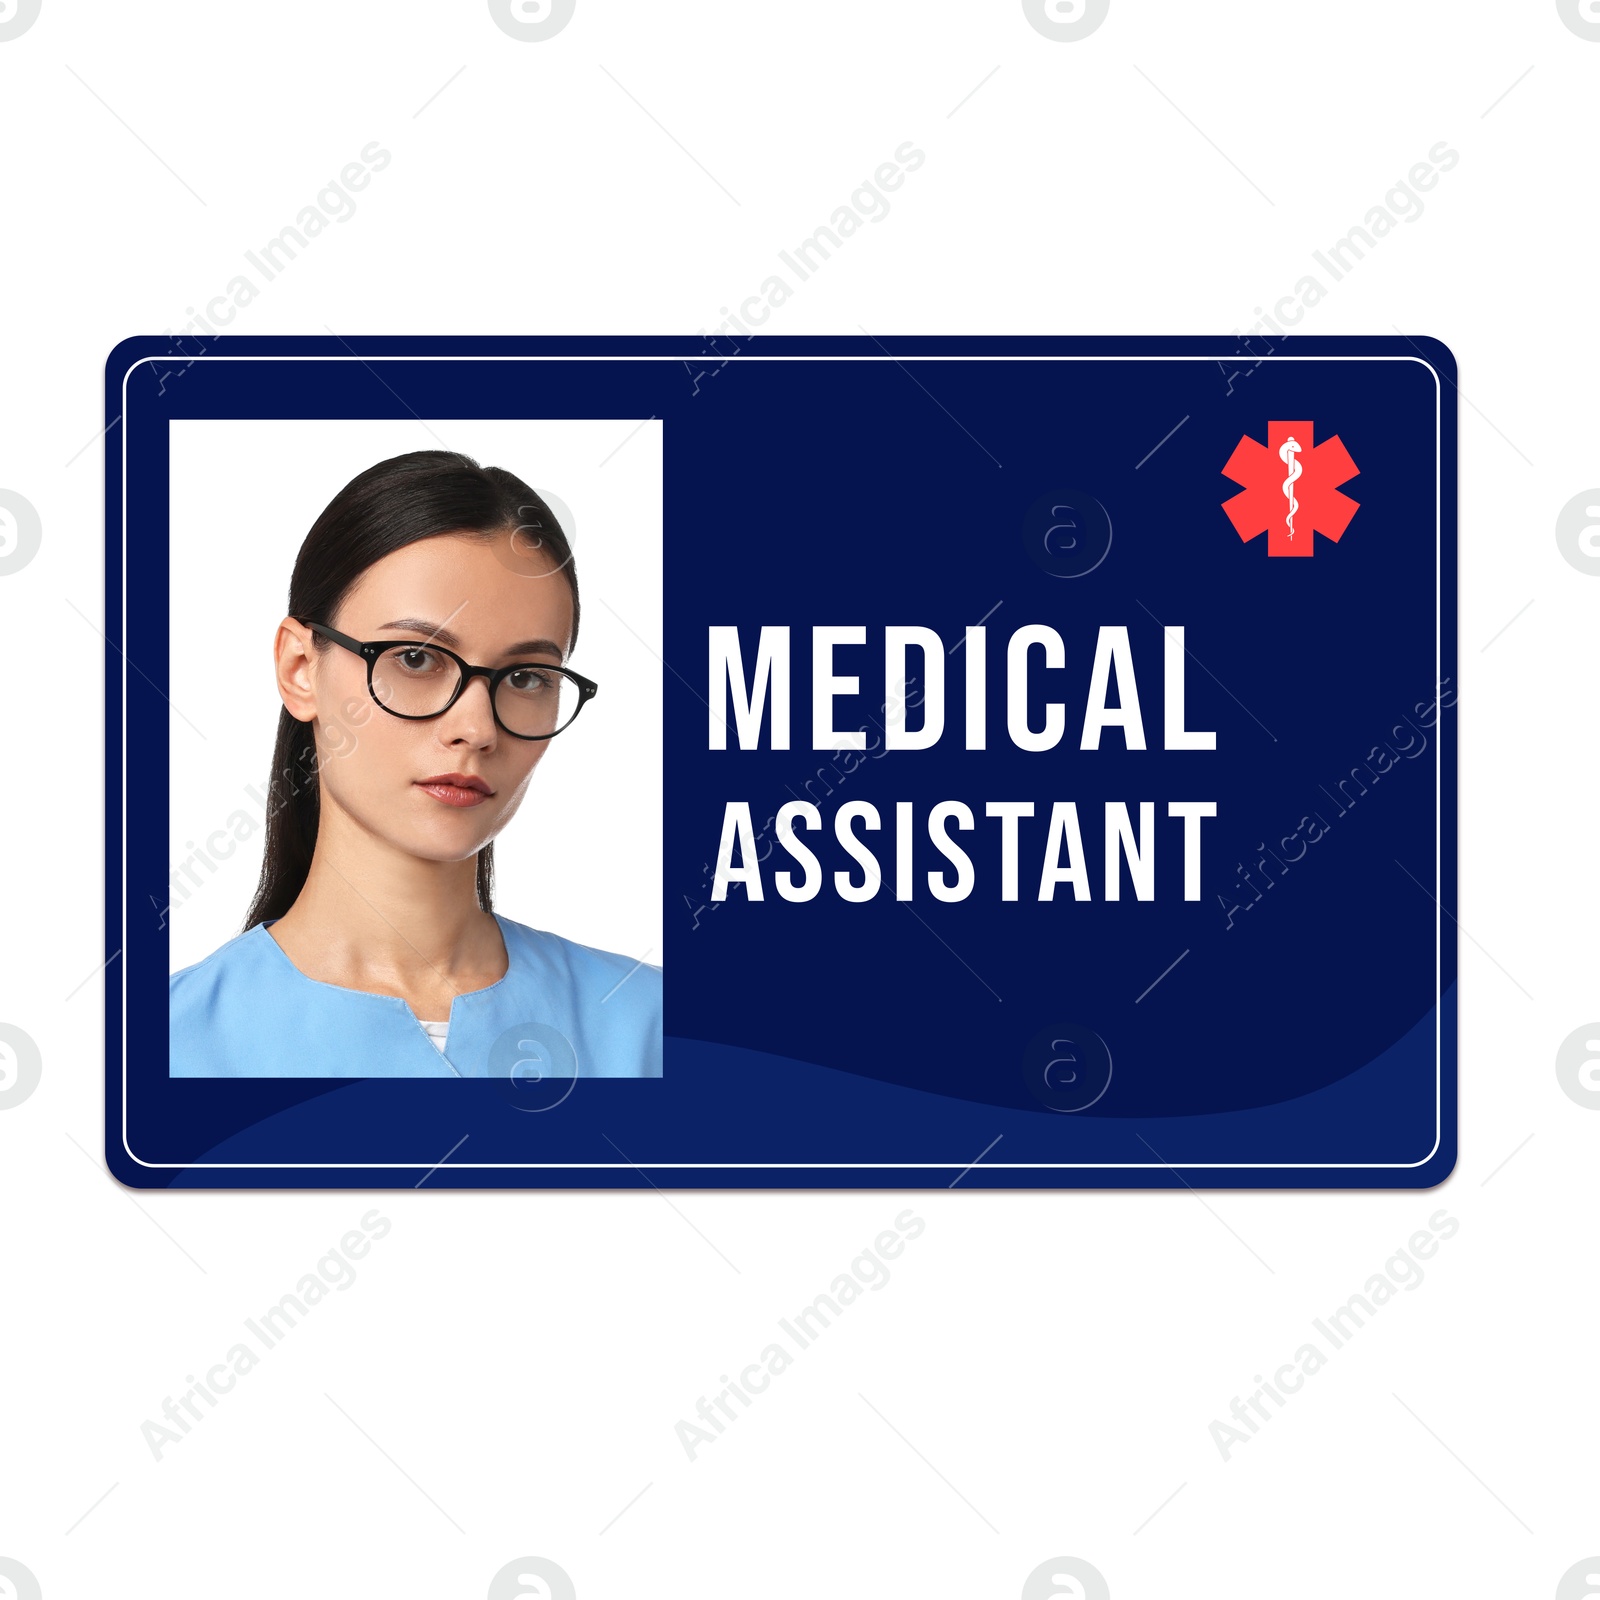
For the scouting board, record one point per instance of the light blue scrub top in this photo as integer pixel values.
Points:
(247, 1011)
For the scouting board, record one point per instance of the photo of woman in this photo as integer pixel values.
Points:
(422, 667)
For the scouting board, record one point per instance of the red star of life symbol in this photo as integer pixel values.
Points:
(1291, 488)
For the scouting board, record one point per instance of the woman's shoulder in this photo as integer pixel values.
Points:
(239, 954)
(586, 964)
(225, 1012)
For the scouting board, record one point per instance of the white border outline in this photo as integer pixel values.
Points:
(826, 1166)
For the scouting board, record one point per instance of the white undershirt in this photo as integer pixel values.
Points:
(436, 1031)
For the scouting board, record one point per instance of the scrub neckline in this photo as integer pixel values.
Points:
(399, 1000)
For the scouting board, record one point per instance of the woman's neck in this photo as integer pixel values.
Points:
(374, 917)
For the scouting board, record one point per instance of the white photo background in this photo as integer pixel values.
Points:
(582, 857)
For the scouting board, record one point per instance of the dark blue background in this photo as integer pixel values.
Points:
(881, 1042)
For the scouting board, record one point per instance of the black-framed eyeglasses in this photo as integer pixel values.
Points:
(418, 680)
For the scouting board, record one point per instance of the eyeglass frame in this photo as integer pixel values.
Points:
(371, 649)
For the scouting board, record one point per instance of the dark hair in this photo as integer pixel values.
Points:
(385, 508)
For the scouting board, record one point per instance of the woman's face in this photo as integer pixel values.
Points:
(489, 603)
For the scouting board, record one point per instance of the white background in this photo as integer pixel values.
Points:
(582, 857)
(510, 1367)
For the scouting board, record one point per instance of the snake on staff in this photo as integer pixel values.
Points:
(1288, 454)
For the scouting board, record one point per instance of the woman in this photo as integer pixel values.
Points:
(432, 609)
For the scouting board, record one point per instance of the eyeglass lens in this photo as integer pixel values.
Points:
(413, 680)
